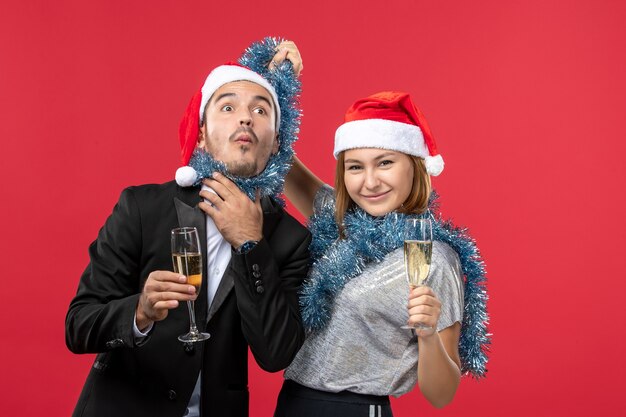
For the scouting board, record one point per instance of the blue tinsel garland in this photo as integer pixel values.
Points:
(270, 182)
(369, 239)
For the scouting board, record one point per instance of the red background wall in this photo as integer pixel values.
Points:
(526, 100)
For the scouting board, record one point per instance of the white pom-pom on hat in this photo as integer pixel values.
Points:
(186, 176)
(434, 165)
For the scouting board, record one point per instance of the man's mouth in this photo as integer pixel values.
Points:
(243, 138)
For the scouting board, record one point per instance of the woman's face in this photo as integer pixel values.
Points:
(378, 180)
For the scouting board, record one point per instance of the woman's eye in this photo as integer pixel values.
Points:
(386, 162)
(353, 167)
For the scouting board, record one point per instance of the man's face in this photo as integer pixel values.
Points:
(240, 128)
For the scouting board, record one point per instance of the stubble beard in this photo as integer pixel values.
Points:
(239, 168)
(245, 169)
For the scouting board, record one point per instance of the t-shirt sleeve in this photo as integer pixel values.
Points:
(324, 199)
(446, 280)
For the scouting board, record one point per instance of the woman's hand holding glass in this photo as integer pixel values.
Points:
(418, 249)
(424, 310)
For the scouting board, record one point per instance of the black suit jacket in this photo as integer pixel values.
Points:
(158, 376)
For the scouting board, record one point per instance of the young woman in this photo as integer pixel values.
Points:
(357, 297)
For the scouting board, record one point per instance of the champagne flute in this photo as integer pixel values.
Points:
(418, 249)
(187, 260)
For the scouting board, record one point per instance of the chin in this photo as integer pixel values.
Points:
(242, 169)
(376, 212)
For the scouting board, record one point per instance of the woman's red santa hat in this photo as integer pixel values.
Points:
(194, 115)
(389, 120)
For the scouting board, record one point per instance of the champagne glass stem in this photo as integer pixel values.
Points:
(190, 305)
(192, 318)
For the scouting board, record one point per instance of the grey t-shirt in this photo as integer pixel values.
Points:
(363, 348)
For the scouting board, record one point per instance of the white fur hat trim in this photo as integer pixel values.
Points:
(386, 134)
(230, 73)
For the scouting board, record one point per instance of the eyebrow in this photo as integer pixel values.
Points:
(258, 98)
(262, 98)
(381, 156)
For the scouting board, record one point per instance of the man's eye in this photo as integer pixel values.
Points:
(260, 110)
(227, 107)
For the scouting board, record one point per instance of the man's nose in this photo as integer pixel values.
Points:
(245, 118)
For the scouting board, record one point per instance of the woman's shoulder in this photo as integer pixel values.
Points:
(324, 199)
(444, 251)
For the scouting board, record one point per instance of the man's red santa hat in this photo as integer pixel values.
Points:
(389, 120)
(194, 115)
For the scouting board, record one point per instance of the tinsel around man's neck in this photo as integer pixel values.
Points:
(271, 180)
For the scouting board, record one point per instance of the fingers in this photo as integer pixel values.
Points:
(162, 291)
(223, 189)
(425, 300)
(421, 290)
(235, 215)
(166, 276)
(214, 202)
(288, 50)
(222, 185)
(423, 295)
(166, 285)
(422, 310)
(279, 57)
(424, 307)
(171, 289)
(424, 316)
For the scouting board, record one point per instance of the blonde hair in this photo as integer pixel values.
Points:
(416, 202)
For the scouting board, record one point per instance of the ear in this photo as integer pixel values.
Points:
(202, 136)
(276, 144)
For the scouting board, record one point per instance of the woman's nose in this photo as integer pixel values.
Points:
(371, 179)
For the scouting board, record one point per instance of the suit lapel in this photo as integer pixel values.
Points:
(226, 285)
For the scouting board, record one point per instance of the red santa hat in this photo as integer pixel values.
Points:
(389, 120)
(194, 115)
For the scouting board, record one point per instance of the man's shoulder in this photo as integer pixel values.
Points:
(289, 221)
(158, 191)
(271, 207)
(149, 189)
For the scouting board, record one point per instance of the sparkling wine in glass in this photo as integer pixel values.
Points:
(418, 249)
(187, 260)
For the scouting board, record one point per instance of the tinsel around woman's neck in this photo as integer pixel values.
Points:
(369, 239)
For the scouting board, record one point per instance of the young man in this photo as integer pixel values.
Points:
(130, 308)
